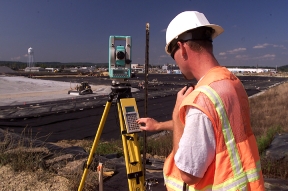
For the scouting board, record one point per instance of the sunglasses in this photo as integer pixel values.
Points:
(173, 51)
(175, 47)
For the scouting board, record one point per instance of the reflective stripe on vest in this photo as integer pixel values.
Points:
(232, 184)
(226, 128)
(241, 178)
(174, 183)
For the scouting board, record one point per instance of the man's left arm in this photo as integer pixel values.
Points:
(178, 127)
(196, 149)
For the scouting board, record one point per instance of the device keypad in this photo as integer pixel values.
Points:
(132, 125)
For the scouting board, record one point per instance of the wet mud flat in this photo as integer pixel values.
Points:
(79, 118)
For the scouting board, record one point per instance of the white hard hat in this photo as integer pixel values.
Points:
(186, 21)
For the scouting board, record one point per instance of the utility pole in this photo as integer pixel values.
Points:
(146, 94)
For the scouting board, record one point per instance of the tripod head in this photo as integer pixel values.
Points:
(122, 90)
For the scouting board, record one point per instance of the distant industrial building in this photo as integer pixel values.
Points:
(170, 69)
(137, 68)
(251, 70)
(34, 69)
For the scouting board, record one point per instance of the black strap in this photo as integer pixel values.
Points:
(184, 186)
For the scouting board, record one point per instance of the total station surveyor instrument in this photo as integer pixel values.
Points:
(119, 70)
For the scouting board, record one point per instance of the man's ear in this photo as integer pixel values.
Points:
(183, 50)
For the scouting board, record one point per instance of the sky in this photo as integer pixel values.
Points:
(255, 32)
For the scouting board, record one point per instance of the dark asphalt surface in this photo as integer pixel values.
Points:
(60, 120)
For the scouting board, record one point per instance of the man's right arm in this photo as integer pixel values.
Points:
(150, 124)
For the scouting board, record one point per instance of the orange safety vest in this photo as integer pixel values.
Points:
(236, 166)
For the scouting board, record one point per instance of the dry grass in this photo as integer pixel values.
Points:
(269, 116)
(29, 166)
(20, 153)
(160, 146)
(270, 109)
(274, 169)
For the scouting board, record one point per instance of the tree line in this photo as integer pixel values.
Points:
(15, 65)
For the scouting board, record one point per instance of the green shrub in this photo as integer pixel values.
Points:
(265, 140)
(109, 147)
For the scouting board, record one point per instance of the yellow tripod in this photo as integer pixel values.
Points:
(127, 113)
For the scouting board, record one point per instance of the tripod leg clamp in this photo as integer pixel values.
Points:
(135, 175)
(85, 165)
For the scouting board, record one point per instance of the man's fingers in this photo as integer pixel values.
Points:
(185, 90)
(189, 90)
(142, 124)
(182, 91)
(141, 121)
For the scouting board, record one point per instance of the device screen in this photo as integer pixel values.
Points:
(130, 109)
(119, 71)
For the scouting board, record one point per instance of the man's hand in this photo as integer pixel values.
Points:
(184, 92)
(188, 178)
(150, 124)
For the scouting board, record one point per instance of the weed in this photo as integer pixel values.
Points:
(265, 140)
(20, 154)
(108, 147)
(161, 146)
(275, 169)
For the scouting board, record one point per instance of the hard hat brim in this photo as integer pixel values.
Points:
(218, 30)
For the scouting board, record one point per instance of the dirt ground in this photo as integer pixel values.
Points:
(31, 181)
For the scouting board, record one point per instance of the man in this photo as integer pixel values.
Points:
(213, 145)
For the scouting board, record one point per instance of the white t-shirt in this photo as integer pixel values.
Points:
(197, 144)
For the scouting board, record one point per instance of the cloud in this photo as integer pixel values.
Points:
(266, 57)
(16, 58)
(279, 46)
(234, 51)
(245, 57)
(266, 45)
(261, 45)
(269, 56)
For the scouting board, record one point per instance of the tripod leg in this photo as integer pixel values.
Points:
(95, 143)
(133, 161)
